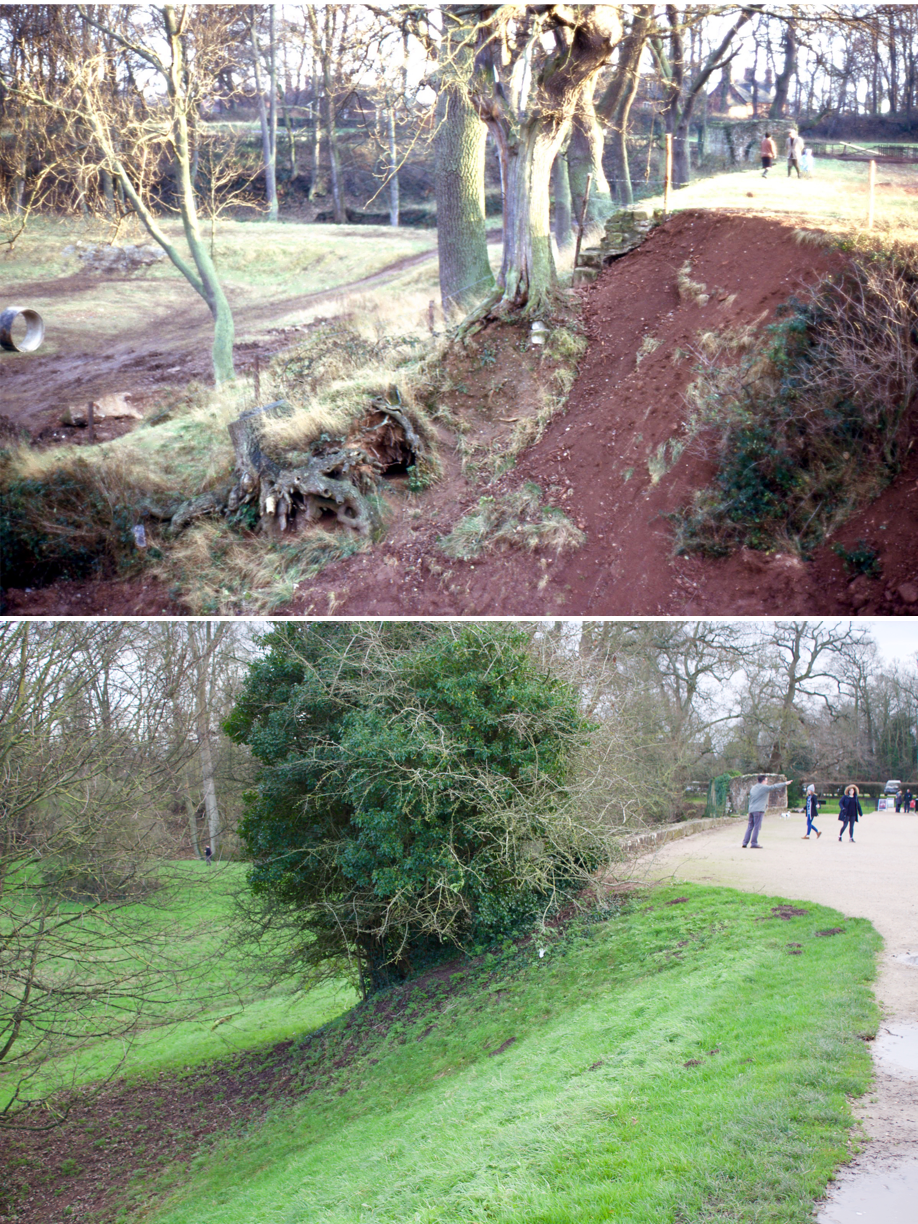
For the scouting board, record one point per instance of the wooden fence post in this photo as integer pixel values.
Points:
(668, 173)
(871, 188)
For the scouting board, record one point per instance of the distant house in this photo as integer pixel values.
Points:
(746, 99)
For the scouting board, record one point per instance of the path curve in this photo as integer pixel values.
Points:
(875, 878)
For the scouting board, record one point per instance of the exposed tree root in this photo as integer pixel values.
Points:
(334, 481)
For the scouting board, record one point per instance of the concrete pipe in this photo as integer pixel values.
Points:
(12, 337)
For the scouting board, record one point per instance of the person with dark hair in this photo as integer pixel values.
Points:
(907, 799)
(758, 802)
(849, 809)
(769, 151)
(208, 855)
(812, 811)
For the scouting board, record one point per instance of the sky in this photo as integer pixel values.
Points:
(896, 636)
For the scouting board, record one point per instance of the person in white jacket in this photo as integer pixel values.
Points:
(795, 147)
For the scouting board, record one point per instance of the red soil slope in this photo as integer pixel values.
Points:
(593, 461)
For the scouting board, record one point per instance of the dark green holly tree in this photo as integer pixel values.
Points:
(412, 794)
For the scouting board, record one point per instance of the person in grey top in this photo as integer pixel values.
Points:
(758, 802)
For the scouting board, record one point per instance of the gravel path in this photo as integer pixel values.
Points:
(875, 878)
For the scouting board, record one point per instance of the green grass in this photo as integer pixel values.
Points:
(677, 1063)
(216, 1005)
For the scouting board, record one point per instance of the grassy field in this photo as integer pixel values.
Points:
(262, 267)
(690, 1059)
(212, 1004)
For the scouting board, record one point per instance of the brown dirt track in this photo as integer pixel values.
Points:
(593, 462)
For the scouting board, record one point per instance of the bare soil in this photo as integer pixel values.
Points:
(598, 459)
(110, 1143)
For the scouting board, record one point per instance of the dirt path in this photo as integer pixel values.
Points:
(874, 879)
(96, 356)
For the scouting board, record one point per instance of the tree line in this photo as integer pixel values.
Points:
(120, 110)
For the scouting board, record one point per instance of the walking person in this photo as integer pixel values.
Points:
(795, 147)
(208, 855)
(758, 802)
(812, 811)
(907, 799)
(769, 152)
(899, 798)
(849, 809)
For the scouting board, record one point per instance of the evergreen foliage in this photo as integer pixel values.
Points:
(412, 792)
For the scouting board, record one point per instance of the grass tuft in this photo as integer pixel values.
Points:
(517, 520)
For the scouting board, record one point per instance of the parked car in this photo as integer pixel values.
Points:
(892, 786)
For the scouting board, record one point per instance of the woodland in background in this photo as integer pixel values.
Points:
(404, 115)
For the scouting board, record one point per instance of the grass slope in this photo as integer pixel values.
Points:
(211, 1003)
(689, 1060)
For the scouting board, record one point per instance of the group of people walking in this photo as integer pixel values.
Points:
(799, 157)
(849, 811)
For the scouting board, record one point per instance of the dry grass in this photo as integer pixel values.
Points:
(517, 520)
(220, 572)
(689, 290)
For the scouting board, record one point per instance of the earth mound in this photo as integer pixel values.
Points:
(618, 460)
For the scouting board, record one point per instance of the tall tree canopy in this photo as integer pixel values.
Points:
(411, 795)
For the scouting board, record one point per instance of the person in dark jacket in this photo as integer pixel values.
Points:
(812, 811)
(907, 800)
(849, 809)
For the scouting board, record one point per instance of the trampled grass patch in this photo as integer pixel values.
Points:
(690, 1059)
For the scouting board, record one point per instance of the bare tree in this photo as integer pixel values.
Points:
(129, 133)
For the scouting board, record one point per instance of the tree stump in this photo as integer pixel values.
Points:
(284, 494)
(336, 478)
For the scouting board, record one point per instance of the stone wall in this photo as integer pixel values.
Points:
(739, 793)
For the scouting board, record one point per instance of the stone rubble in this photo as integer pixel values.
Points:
(101, 257)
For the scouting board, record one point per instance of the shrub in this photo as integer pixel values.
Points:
(408, 802)
(808, 419)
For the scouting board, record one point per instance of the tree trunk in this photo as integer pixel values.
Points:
(212, 635)
(108, 191)
(459, 150)
(615, 104)
(682, 154)
(331, 139)
(561, 194)
(394, 206)
(315, 185)
(527, 276)
(584, 158)
(784, 77)
(267, 119)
